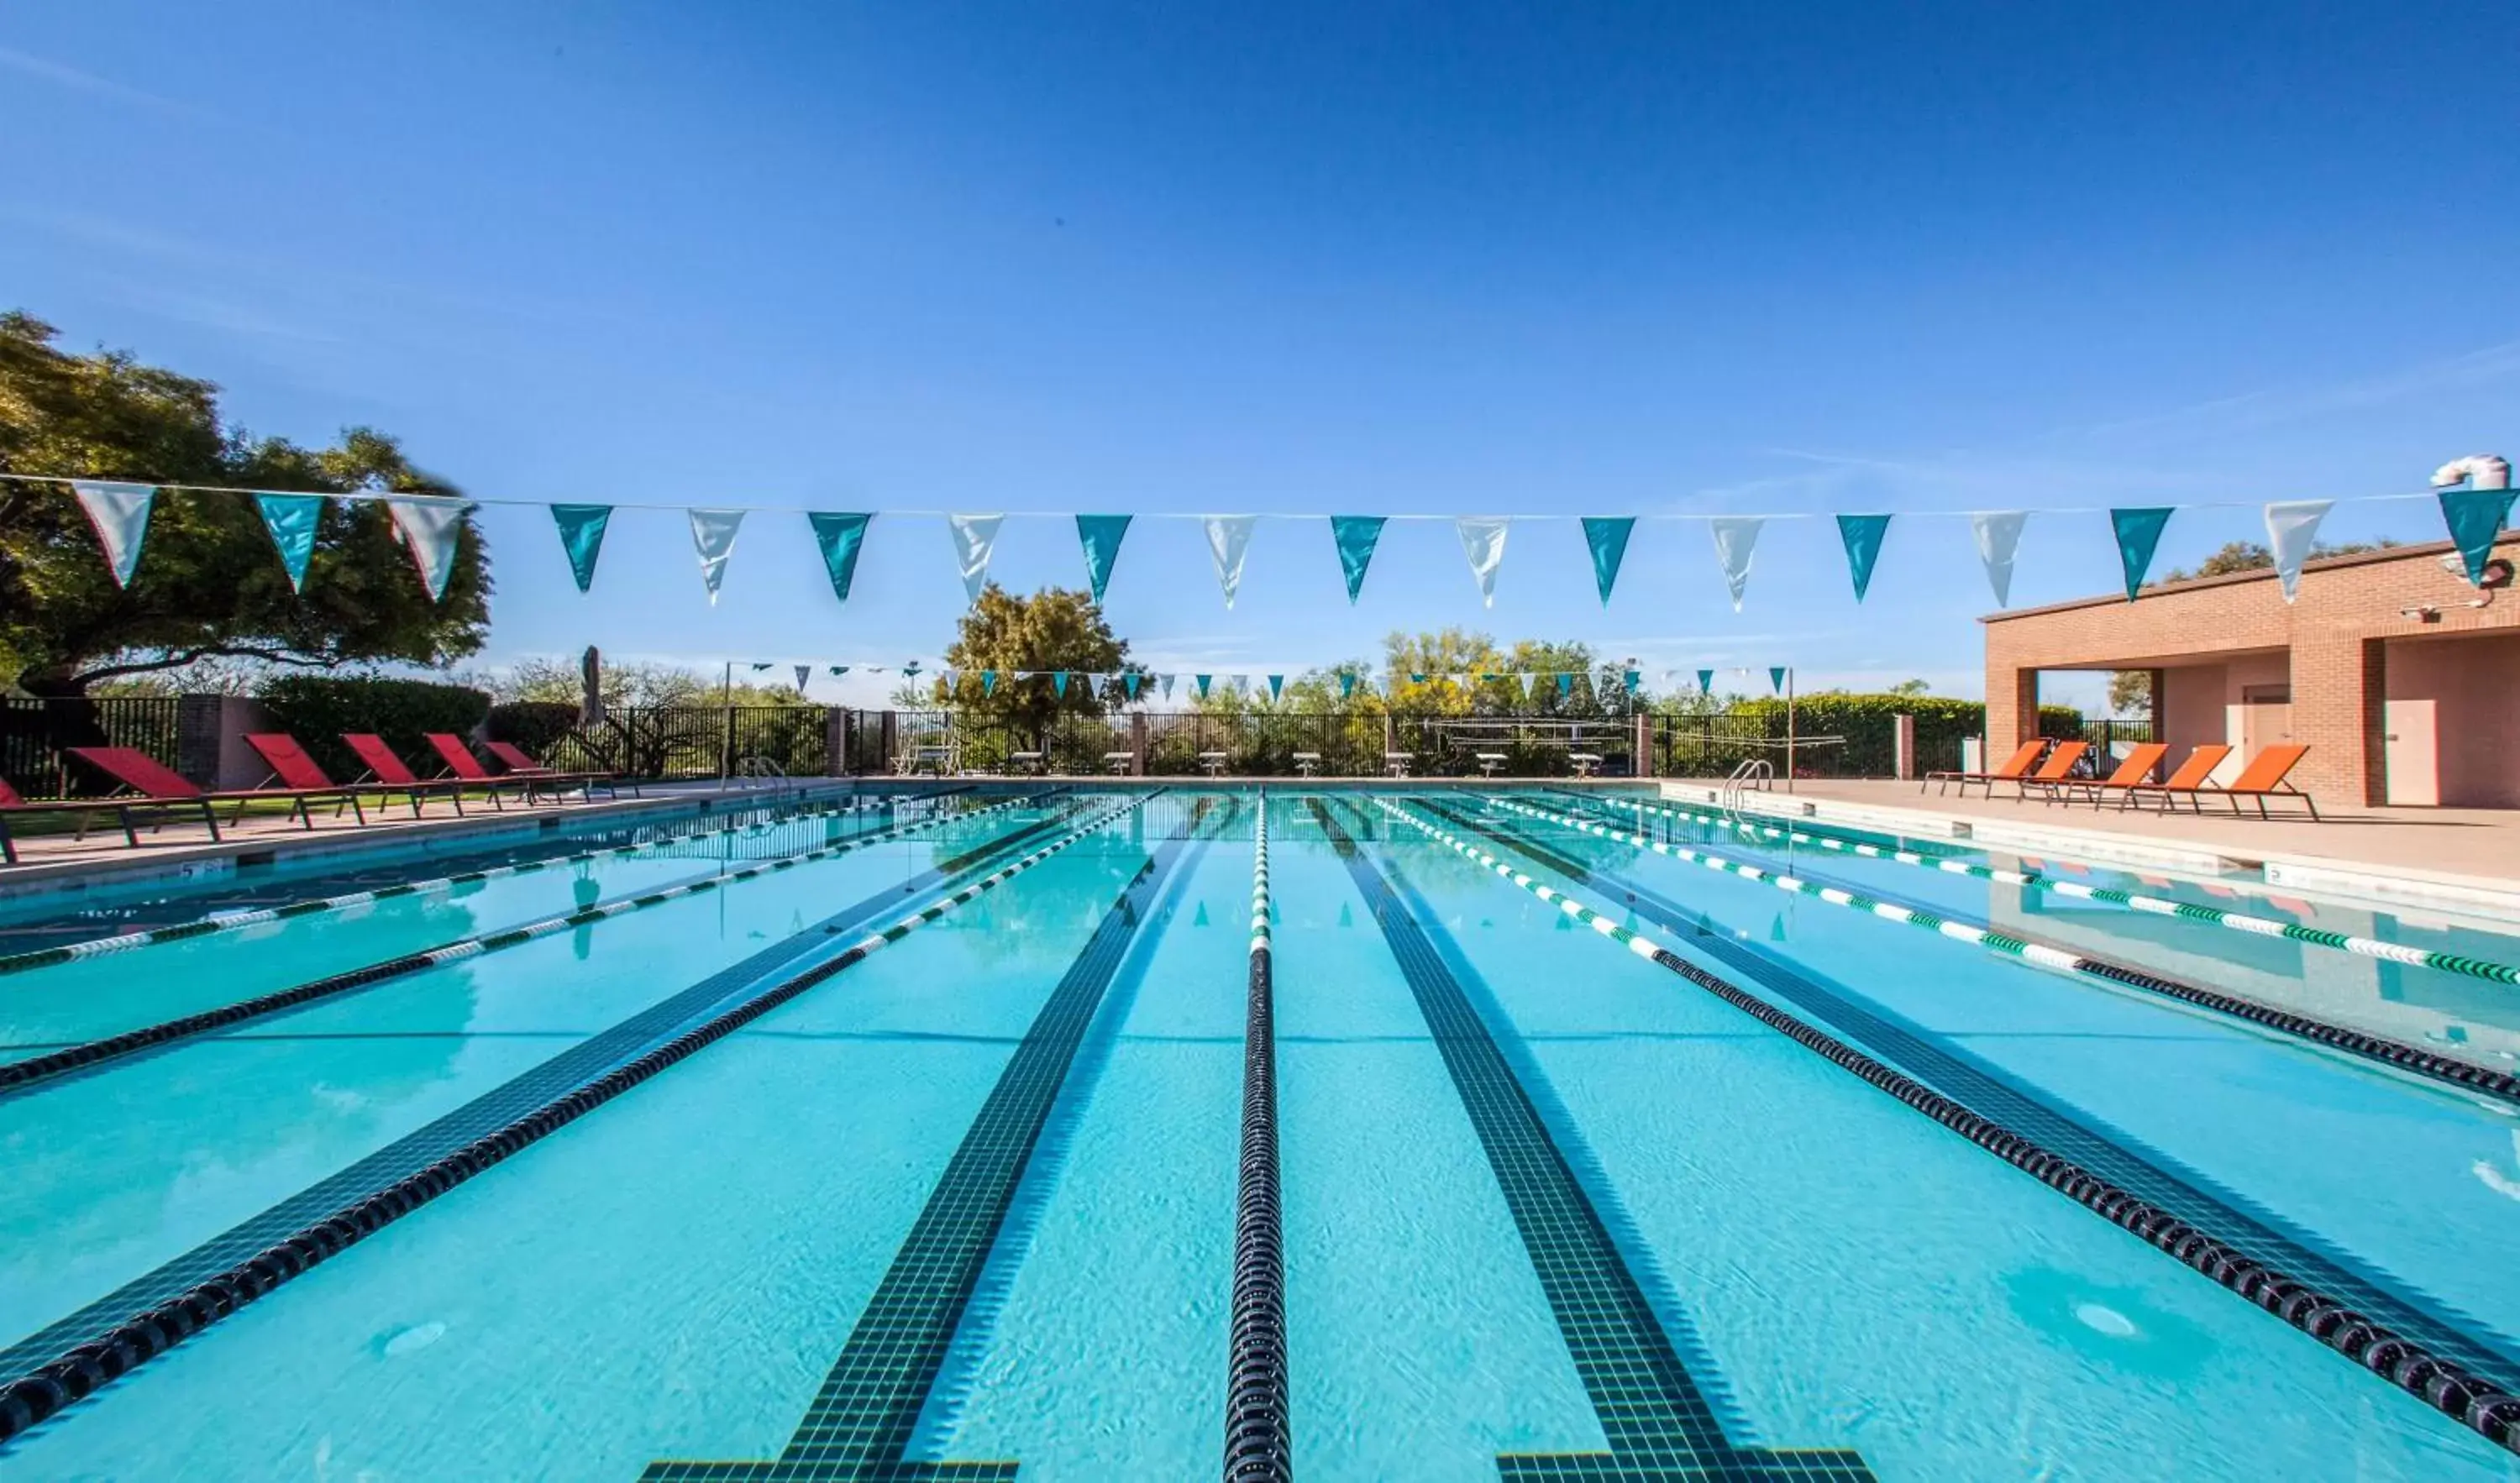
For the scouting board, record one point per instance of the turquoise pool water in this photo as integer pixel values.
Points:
(969, 1197)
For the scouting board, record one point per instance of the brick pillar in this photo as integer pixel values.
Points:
(836, 741)
(2338, 685)
(1902, 747)
(1644, 754)
(1136, 744)
(2160, 680)
(2011, 707)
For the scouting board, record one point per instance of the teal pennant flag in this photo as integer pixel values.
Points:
(1100, 535)
(1058, 682)
(1565, 685)
(840, 536)
(1862, 535)
(1777, 677)
(2138, 533)
(1636, 677)
(1706, 682)
(1356, 535)
(291, 519)
(2474, 517)
(1276, 682)
(1347, 682)
(1201, 681)
(988, 681)
(1608, 538)
(1129, 682)
(581, 535)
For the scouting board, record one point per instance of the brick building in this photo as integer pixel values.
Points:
(2403, 680)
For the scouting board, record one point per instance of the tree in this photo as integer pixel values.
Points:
(1053, 629)
(634, 685)
(2129, 692)
(2249, 556)
(1918, 687)
(209, 584)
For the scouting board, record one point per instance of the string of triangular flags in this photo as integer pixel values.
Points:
(1132, 686)
(2474, 496)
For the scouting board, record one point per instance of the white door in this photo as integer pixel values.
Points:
(2412, 752)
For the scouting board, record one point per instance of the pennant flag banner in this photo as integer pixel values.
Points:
(804, 672)
(1130, 683)
(1706, 682)
(581, 536)
(1058, 682)
(1777, 678)
(2138, 533)
(838, 670)
(1565, 686)
(974, 537)
(1483, 542)
(1347, 684)
(121, 515)
(1202, 682)
(1531, 686)
(1084, 682)
(1229, 536)
(291, 519)
(1166, 681)
(2292, 529)
(1735, 537)
(1999, 535)
(988, 681)
(1636, 677)
(1609, 539)
(1101, 535)
(840, 536)
(428, 529)
(713, 538)
(1862, 534)
(2474, 516)
(1276, 682)
(1355, 535)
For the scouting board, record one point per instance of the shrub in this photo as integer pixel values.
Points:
(317, 709)
(537, 726)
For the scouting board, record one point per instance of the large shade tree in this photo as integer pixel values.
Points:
(209, 584)
(1054, 629)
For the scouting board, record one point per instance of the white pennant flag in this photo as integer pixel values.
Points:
(2292, 527)
(1998, 532)
(1483, 542)
(974, 537)
(121, 515)
(1228, 537)
(1531, 686)
(428, 529)
(1735, 537)
(713, 537)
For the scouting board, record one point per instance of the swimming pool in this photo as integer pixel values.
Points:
(1089, 1133)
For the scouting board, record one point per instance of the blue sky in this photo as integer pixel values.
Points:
(1459, 258)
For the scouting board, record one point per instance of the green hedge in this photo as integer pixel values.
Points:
(317, 709)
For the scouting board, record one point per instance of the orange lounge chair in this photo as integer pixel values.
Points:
(2264, 778)
(388, 770)
(160, 787)
(2191, 778)
(2015, 768)
(2059, 767)
(515, 759)
(2134, 770)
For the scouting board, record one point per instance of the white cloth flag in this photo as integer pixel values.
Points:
(1999, 533)
(2292, 527)
(1229, 536)
(713, 537)
(428, 529)
(121, 515)
(1483, 542)
(1735, 537)
(974, 537)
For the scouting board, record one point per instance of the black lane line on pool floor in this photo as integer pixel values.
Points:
(2446, 1382)
(1660, 1424)
(1257, 1445)
(88, 1057)
(534, 848)
(2396, 1055)
(2001, 1097)
(492, 1110)
(863, 1422)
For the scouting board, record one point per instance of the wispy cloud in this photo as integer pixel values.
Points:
(80, 80)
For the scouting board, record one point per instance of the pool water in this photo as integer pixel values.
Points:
(898, 1142)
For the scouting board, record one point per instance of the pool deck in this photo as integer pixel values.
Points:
(2449, 859)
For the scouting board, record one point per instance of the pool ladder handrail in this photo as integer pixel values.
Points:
(761, 770)
(1755, 772)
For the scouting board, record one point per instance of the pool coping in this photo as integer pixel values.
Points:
(2483, 896)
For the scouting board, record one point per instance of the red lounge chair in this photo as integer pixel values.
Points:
(85, 809)
(388, 770)
(292, 767)
(161, 787)
(2264, 778)
(2015, 768)
(2185, 783)
(2133, 772)
(514, 758)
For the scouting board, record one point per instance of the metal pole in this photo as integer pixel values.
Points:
(726, 736)
(1789, 730)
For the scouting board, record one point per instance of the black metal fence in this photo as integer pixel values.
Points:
(701, 742)
(35, 737)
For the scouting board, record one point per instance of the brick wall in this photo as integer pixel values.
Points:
(2335, 637)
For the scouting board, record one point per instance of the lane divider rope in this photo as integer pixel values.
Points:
(2237, 921)
(2396, 1053)
(2478, 1404)
(43, 1392)
(19, 1075)
(1257, 1448)
(240, 918)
